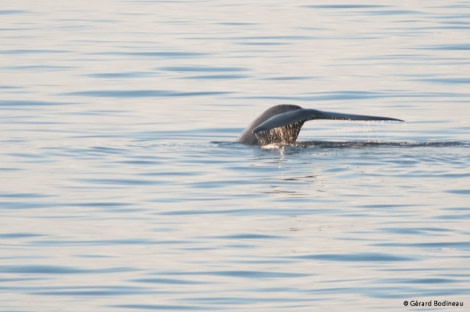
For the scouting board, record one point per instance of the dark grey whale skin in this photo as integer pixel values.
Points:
(281, 124)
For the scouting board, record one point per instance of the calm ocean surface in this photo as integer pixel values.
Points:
(122, 187)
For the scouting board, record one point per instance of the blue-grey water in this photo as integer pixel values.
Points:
(123, 187)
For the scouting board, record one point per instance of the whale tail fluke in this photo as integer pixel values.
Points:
(281, 124)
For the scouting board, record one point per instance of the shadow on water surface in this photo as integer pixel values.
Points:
(360, 144)
(355, 144)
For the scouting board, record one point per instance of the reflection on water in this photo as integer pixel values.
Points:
(122, 186)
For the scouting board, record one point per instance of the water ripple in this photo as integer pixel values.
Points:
(174, 307)
(210, 69)
(12, 12)
(141, 93)
(358, 257)
(50, 269)
(156, 54)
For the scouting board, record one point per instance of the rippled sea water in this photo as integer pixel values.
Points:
(123, 187)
